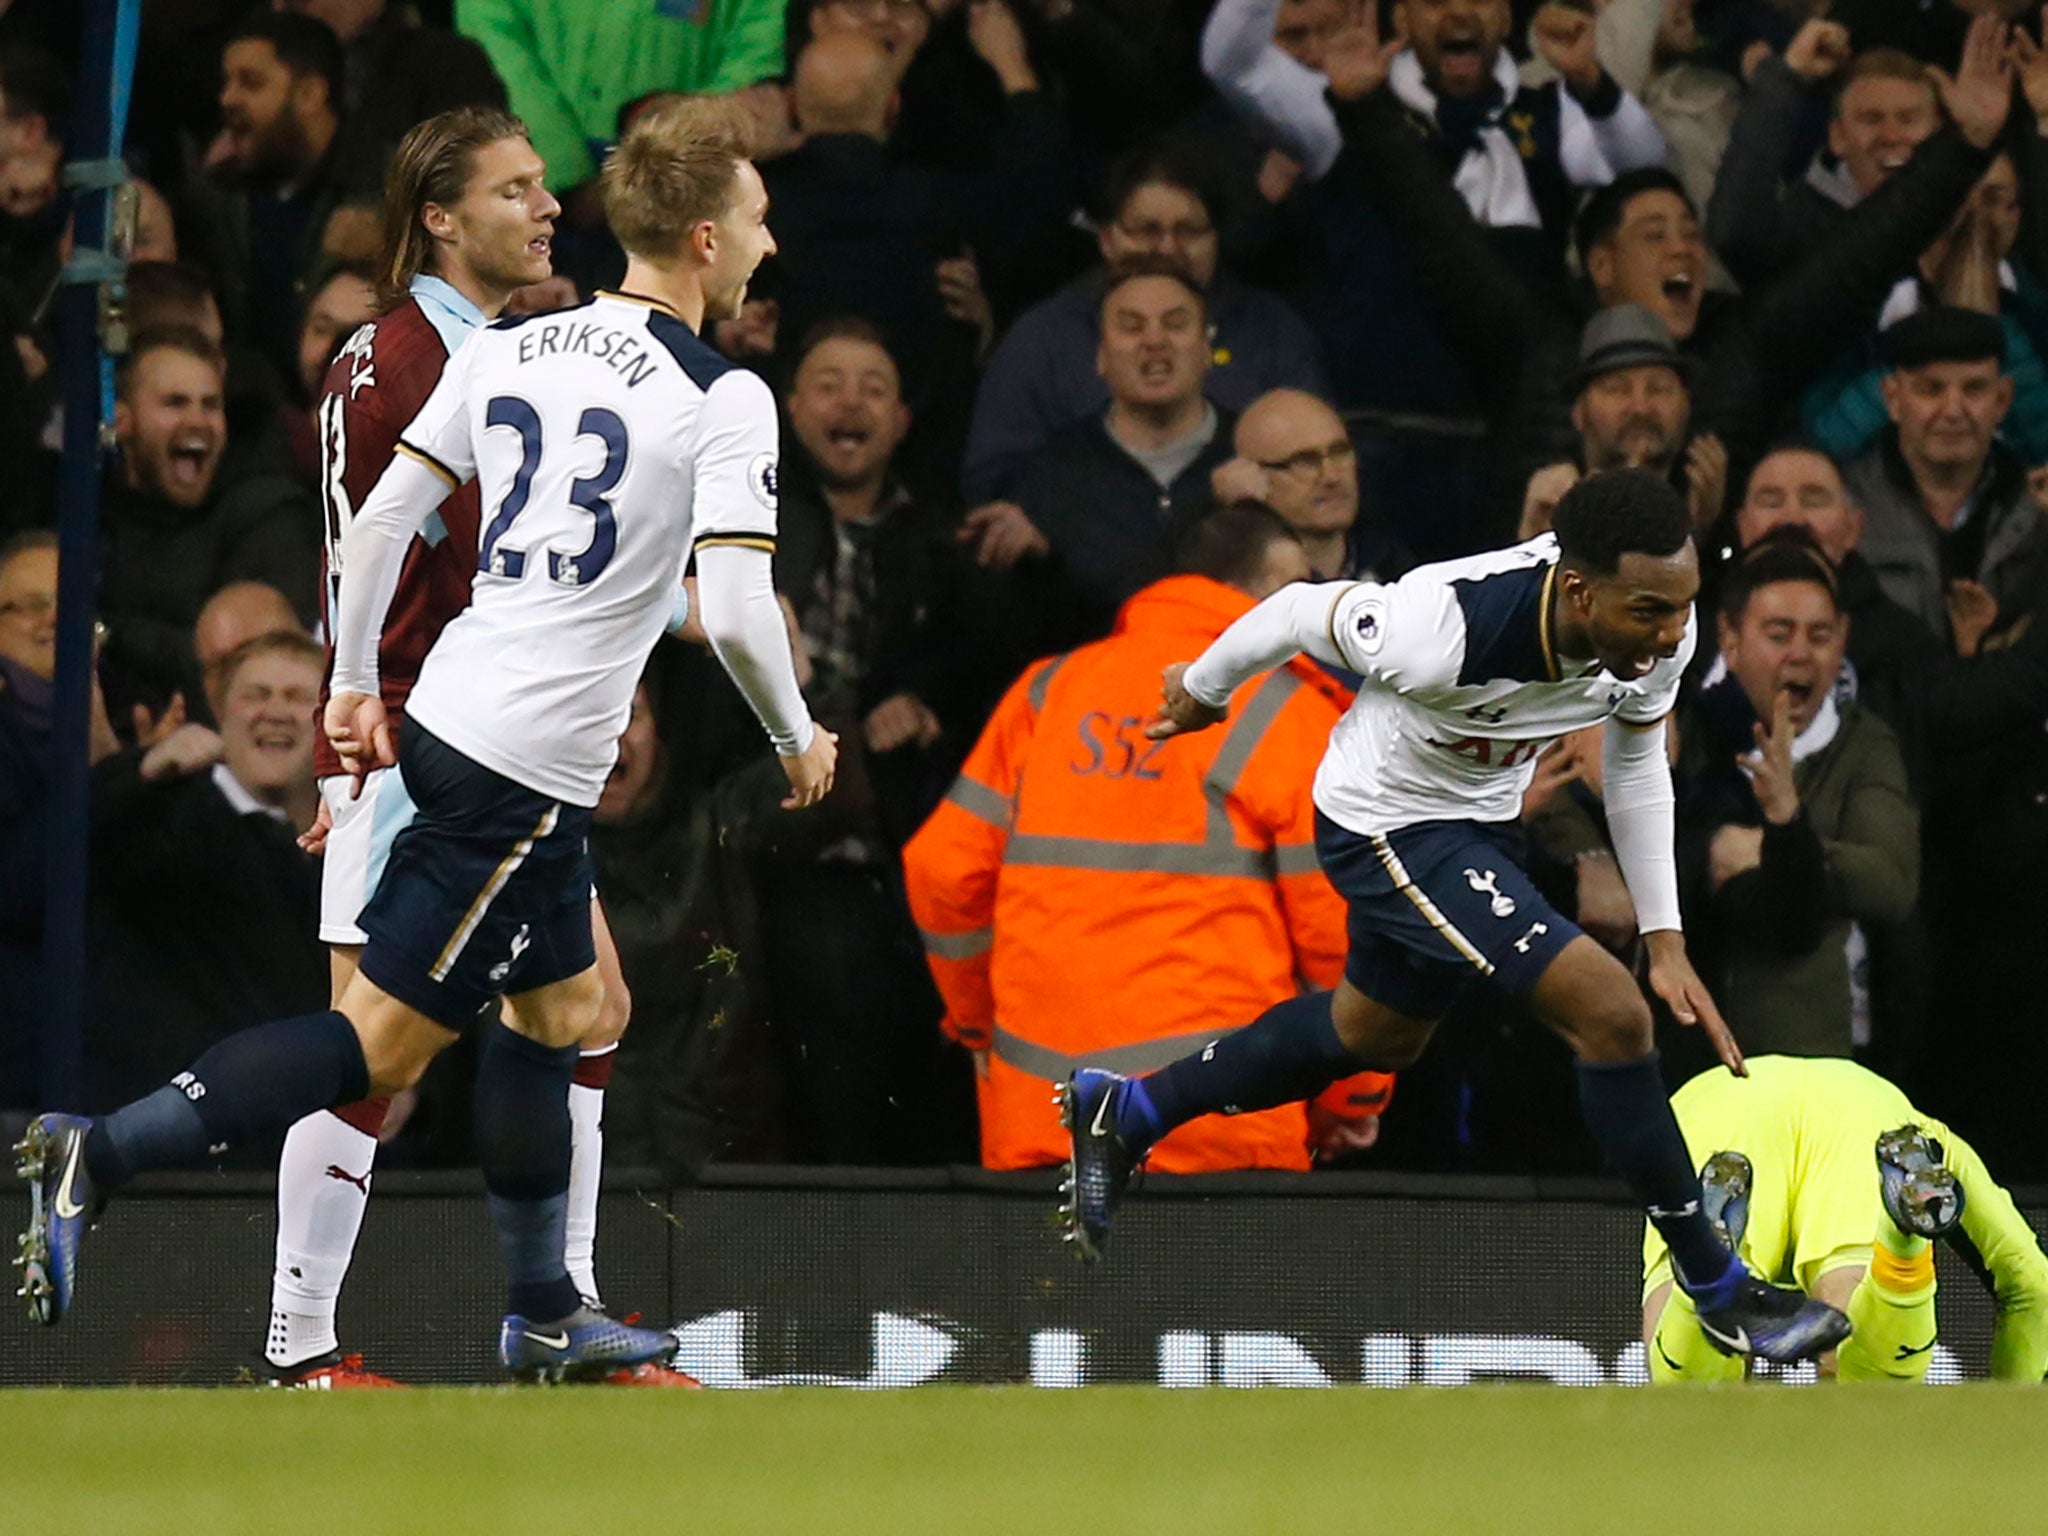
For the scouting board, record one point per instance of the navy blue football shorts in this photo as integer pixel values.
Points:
(1439, 912)
(486, 891)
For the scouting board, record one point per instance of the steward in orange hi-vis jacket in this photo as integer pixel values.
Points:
(1088, 897)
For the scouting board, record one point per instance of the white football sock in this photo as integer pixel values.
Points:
(323, 1183)
(586, 1167)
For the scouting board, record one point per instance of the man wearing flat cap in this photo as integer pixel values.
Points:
(1631, 407)
(1951, 529)
(1954, 536)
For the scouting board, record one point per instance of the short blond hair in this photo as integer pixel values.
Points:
(676, 168)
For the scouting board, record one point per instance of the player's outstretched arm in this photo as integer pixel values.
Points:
(1639, 801)
(1293, 620)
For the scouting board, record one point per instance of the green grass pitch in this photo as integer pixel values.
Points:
(960, 1460)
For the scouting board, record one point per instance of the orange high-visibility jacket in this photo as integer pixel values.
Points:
(1088, 897)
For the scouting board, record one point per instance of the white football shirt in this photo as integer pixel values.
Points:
(608, 442)
(1463, 688)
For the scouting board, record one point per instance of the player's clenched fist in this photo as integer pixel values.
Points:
(810, 771)
(1563, 34)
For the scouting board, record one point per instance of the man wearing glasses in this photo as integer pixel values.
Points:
(1294, 454)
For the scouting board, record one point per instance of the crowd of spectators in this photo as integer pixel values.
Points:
(1057, 281)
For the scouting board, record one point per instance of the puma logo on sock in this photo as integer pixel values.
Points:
(336, 1171)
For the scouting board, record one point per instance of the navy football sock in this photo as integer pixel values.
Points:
(1626, 1109)
(521, 1132)
(1288, 1053)
(246, 1086)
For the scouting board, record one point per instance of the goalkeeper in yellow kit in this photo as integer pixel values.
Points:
(1826, 1177)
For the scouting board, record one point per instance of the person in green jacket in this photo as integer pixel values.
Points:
(1800, 837)
(570, 65)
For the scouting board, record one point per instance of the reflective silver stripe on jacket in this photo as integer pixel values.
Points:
(957, 946)
(1057, 1066)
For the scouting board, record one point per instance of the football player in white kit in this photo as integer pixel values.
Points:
(1471, 668)
(610, 445)
(467, 221)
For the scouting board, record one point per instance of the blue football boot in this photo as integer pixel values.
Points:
(585, 1346)
(1772, 1323)
(62, 1204)
(1101, 1162)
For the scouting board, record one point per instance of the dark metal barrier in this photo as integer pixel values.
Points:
(884, 1279)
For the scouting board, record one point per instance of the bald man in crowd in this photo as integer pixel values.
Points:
(236, 614)
(1294, 454)
(845, 83)
(905, 247)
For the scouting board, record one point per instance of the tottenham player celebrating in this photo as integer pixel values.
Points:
(1470, 668)
(608, 443)
(467, 220)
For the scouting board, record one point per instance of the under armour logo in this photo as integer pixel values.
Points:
(1672, 1213)
(1503, 906)
(1487, 716)
(1368, 625)
(1536, 931)
(336, 1171)
(1615, 696)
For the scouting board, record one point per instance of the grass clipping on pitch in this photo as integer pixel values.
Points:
(1098, 1462)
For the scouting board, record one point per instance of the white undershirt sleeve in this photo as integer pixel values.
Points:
(736, 602)
(1625, 140)
(372, 557)
(435, 455)
(733, 518)
(1640, 821)
(1293, 620)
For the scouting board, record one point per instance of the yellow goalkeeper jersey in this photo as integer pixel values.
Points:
(1808, 1127)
